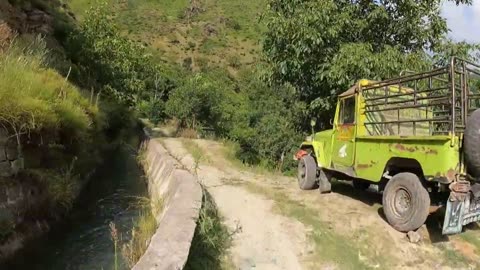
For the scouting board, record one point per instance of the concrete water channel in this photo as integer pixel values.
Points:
(83, 239)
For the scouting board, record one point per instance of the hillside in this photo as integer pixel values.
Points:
(196, 34)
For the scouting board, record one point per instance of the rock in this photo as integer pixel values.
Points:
(6, 34)
(3, 134)
(39, 21)
(11, 150)
(3, 196)
(3, 154)
(5, 169)
(424, 234)
(209, 29)
(414, 237)
(17, 165)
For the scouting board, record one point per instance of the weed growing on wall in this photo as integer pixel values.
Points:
(211, 241)
(142, 231)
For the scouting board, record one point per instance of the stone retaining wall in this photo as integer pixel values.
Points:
(182, 198)
(10, 162)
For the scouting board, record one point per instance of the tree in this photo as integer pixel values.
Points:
(323, 47)
(119, 67)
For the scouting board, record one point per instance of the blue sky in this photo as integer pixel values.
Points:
(463, 21)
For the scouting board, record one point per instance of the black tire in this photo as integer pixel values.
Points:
(324, 184)
(307, 173)
(361, 185)
(471, 143)
(406, 202)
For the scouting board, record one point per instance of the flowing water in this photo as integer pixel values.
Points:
(84, 241)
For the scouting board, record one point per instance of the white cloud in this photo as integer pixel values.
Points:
(463, 21)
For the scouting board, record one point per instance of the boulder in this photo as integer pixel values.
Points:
(5, 169)
(11, 150)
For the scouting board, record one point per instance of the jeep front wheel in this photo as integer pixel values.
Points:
(307, 173)
(406, 202)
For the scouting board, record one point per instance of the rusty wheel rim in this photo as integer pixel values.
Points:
(402, 202)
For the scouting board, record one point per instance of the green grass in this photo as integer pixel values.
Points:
(144, 228)
(62, 126)
(244, 13)
(211, 241)
(453, 257)
(230, 153)
(33, 97)
(472, 237)
(331, 248)
(79, 7)
(199, 156)
(161, 26)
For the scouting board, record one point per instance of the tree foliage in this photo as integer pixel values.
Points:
(323, 47)
(118, 66)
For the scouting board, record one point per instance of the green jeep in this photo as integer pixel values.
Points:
(416, 138)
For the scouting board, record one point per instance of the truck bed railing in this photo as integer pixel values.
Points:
(436, 102)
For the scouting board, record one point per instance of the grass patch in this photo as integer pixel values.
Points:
(330, 247)
(33, 97)
(453, 257)
(231, 152)
(161, 26)
(142, 232)
(242, 18)
(198, 154)
(211, 240)
(472, 237)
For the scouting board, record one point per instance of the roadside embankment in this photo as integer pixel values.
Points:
(181, 195)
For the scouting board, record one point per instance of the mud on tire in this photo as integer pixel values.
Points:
(406, 202)
(307, 173)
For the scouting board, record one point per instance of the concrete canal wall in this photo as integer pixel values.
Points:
(181, 195)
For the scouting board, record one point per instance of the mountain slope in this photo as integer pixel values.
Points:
(196, 33)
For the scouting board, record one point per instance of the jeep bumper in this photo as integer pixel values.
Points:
(463, 207)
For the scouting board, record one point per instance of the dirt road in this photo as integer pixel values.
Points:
(277, 226)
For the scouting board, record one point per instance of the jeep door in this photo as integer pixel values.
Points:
(343, 145)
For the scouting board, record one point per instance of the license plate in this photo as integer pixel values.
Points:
(473, 211)
(459, 213)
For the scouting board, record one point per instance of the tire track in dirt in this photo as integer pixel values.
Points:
(262, 239)
(356, 216)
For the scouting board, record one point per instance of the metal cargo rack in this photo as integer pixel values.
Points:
(436, 102)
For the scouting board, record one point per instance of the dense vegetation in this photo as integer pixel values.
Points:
(54, 126)
(59, 129)
(183, 60)
(254, 76)
(313, 50)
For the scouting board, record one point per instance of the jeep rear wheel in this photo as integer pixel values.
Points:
(406, 202)
(470, 144)
(307, 173)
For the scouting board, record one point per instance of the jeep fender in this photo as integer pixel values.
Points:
(316, 149)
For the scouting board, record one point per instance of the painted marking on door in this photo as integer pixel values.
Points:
(342, 152)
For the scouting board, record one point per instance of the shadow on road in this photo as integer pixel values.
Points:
(434, 221)
(366, 196)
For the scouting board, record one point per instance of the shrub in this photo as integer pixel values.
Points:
(121, 68)
(234, 61)
(211, 240)
(37, 99)
(53, 123)
(195, 102)
(153, 109)
(263, 122)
